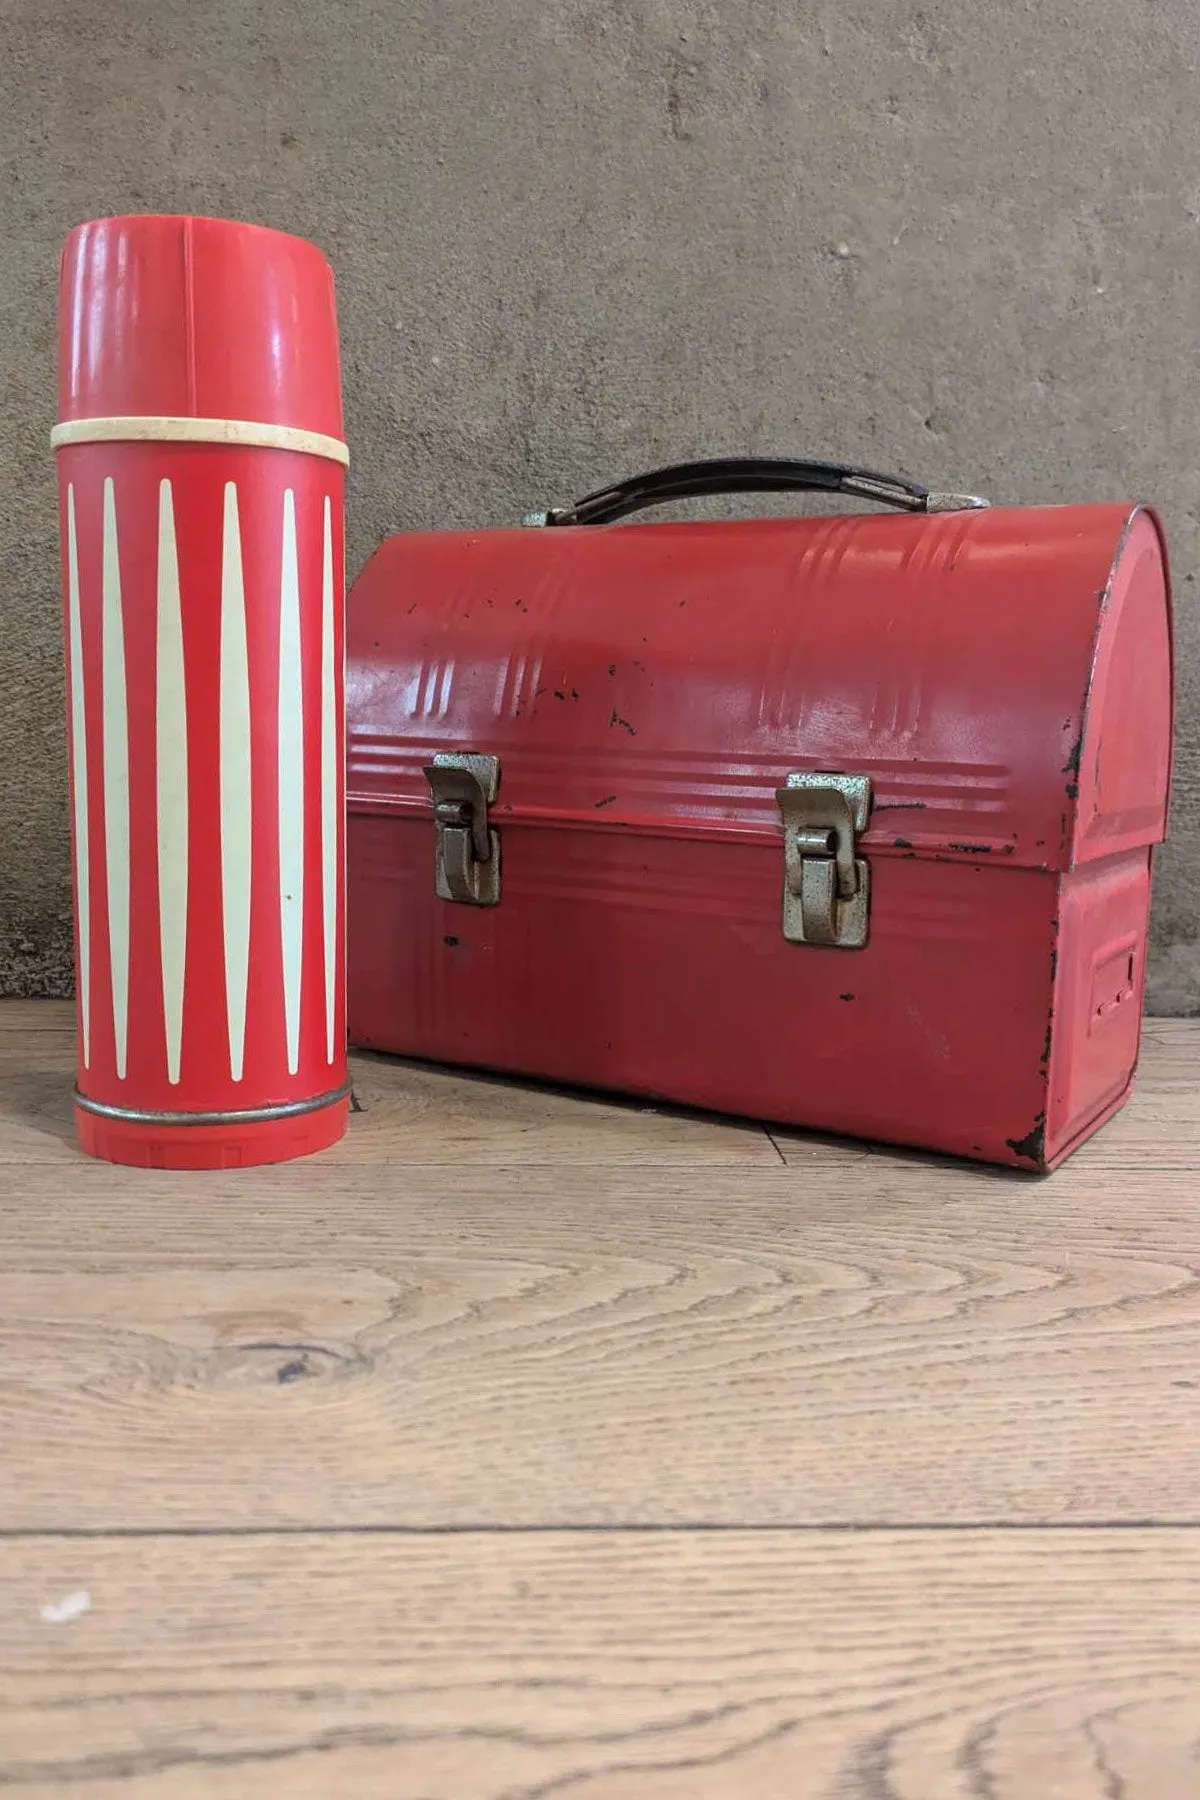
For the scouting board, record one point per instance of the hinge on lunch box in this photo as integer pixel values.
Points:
(826, 884)
(467, 865)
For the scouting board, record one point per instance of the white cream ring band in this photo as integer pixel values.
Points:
(246, 432)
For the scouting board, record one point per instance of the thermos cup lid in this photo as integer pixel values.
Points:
(173, 317)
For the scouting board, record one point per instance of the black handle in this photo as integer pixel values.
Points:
(745, 475)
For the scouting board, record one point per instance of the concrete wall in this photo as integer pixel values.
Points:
(573, 237)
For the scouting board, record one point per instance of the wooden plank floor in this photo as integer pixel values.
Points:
(530, 1444)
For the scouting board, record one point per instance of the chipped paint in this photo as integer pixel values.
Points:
(1032, 1146)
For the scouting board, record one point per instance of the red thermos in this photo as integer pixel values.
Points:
(201, 473)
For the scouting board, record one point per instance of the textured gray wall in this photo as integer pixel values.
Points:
(572, 237)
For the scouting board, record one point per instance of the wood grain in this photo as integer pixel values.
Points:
(734, 1666)
(867, 1338)
(257, 1420)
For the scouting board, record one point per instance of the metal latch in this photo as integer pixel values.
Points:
(826, 886)
(468, 850)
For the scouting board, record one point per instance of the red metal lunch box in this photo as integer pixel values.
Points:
(838, 822)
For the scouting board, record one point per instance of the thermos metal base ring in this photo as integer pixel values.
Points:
(211, 1140)
(254, 1115)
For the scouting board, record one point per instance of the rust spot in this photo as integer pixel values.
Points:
(558, 694)
(1033, 1145)
(972, 849)
(574, 693)
(901, 806)
(612, 668)
(616, 719)
(1071, 766)
(902, 843)
(845, 996)
(607, 800)
(451, 942)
